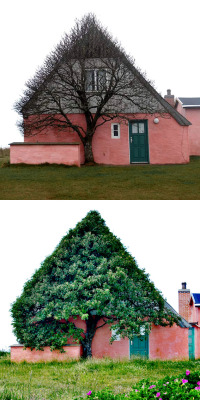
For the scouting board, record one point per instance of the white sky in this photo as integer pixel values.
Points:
(163, 236)
(162, 36)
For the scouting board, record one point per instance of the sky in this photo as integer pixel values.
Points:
(163, 236)
(162, 36)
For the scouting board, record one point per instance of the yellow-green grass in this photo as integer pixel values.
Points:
(18, 182)
(68, 380)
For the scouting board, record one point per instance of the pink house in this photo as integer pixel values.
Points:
(141, 126)
(179, 342)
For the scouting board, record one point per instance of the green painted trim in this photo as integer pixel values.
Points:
(191, 347)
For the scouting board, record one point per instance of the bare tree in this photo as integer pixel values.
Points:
(88, 73)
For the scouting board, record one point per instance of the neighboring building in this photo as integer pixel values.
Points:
(189, 107)
(157, 136)
(179, 342)
(189, 308)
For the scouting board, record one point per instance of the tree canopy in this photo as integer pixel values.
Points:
(90, 274)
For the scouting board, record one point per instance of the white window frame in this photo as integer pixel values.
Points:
(116, 336)
(95, 71)
(112, 131)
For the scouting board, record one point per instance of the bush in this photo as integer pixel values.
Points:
(185, 387)
(4, 152)
(3, 353)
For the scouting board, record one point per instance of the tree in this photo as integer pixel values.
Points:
(91, 275)
(88, 73)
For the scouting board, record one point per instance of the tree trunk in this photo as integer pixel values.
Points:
(88, 150)
(91, 324)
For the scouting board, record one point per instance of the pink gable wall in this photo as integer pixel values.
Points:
(168, 141)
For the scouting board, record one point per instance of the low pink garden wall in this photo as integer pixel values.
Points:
(40, 153)
(18, 354)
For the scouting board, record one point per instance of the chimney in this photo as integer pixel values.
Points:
(183, 301)
(170, 98)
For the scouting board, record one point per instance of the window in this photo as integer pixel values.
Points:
(115, 131)
(142, 330)
(116, 336)
(90, 81)
(101, 79)
(95, 80)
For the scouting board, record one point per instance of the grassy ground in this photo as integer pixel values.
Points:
(62, 381)
(99, 182)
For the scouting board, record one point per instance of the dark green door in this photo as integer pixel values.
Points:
(138, 141)
(139, 346)
(191, 345)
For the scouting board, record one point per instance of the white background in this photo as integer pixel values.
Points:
(162, 236)
(162, 36)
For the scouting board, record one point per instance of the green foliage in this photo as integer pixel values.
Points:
(91, 275)
(184, 387)
(4, 152)
(4, 353)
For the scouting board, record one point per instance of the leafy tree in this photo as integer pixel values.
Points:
(88, 73)
(91, 275)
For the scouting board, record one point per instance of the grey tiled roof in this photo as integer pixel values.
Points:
(190, 101)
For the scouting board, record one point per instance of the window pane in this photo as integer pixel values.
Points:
(141, 127)
(115, 335)
(101, 79)
(115, 130)
(135, 128)
(142, 330)
(89, 81)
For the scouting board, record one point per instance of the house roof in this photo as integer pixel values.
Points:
(182, 322)
(95, 42)
(190, 101)
(196, 298)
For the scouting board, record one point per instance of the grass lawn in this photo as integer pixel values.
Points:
(134, 182)
(73, 379)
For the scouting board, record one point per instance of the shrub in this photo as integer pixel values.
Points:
(185, 387)
(3, 353)
(4, 152)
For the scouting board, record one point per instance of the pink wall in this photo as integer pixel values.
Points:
(68, 154)
(101, 346)
(168, 141)
(165, 343)
(168, 343)
(18, 354)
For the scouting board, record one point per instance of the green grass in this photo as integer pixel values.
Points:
(62, 381)
(18, 182)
